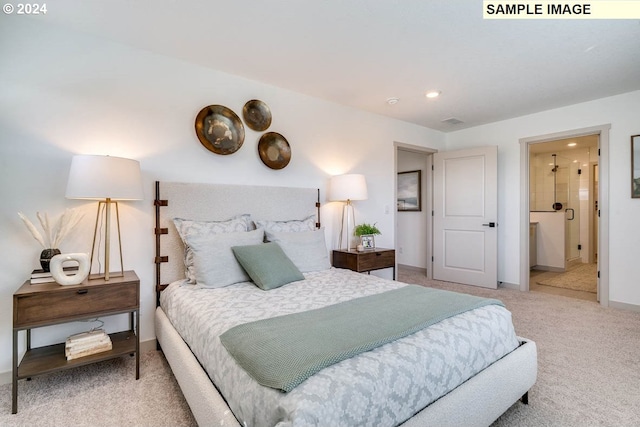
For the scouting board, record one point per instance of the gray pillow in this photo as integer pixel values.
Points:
(214, 264)
(307, 249)
(267, 265)
(188, 228)
(307, 224)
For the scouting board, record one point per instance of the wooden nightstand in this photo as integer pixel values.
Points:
(47, 304)
(365, 261)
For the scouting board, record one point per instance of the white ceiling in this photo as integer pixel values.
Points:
(361, 52)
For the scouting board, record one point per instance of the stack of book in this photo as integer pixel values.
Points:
(41, 276)
(87, 343)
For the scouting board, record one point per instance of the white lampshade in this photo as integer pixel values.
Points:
(347, 187)
(96, 177)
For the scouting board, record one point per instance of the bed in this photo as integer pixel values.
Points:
(388, 384)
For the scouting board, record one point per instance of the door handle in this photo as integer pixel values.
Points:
(491, 224)
(573, 214)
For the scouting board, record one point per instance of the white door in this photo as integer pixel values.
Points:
(465, 236)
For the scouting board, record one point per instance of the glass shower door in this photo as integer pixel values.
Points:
(572, 211)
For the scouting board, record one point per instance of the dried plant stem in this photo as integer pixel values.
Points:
(67, 222)
(44, 223)
(32, 228)
(53, 235)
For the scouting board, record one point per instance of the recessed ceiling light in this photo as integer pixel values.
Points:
(392, 101)
(432, 94)
(452, 121)
(571, 144)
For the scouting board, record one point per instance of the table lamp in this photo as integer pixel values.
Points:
(347, 188)
(109, 180)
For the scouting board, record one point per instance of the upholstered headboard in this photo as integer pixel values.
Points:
(219, 202)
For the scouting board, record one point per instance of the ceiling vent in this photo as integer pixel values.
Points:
(452, 121)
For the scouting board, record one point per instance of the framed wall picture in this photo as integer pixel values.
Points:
(368, 241)
(635, 167)
(409, 191)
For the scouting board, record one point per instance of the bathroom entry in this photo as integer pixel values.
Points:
(563, 221)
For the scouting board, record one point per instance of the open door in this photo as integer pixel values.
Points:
(465, 236)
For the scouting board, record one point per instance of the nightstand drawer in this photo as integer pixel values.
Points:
(365, 261)
(76, 302)
(376, 260)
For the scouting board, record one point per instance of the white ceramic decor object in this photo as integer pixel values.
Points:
(61, 276)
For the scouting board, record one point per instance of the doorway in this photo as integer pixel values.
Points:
(561, 196)
(413, 227)
(581, 215)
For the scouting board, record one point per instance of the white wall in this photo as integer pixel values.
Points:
(66, 93)
(412, 226)
(622, 113)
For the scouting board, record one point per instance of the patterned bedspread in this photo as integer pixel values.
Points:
(382, 387)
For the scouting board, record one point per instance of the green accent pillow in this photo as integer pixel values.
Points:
(267, 265)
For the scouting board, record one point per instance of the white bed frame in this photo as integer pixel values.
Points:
(477, 402)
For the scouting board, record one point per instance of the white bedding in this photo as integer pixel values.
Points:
(385, 386)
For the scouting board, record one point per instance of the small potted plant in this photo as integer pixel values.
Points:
(366, 233)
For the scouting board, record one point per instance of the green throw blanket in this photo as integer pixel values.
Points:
(281, 352)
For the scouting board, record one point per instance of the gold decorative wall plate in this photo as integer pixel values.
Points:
(257, 115)
(274, 150)
(219, 129)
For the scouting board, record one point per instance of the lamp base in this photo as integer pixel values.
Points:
(348, 218)
(98, 276)
(106, 204)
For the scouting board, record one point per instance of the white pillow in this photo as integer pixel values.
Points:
(307, 249)
(307, 224)
(188, 228)
(214, 264)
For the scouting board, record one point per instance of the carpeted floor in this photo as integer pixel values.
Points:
(588, 362)
(588, 358)
(580, 277)
(102, 394)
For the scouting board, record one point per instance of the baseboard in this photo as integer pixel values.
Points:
(412, 268)
(509, 285)
(624, 306)
(149, 345)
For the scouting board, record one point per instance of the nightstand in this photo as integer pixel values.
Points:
(48, 304)
(365, 261)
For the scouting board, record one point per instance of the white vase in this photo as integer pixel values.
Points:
(78, 276)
